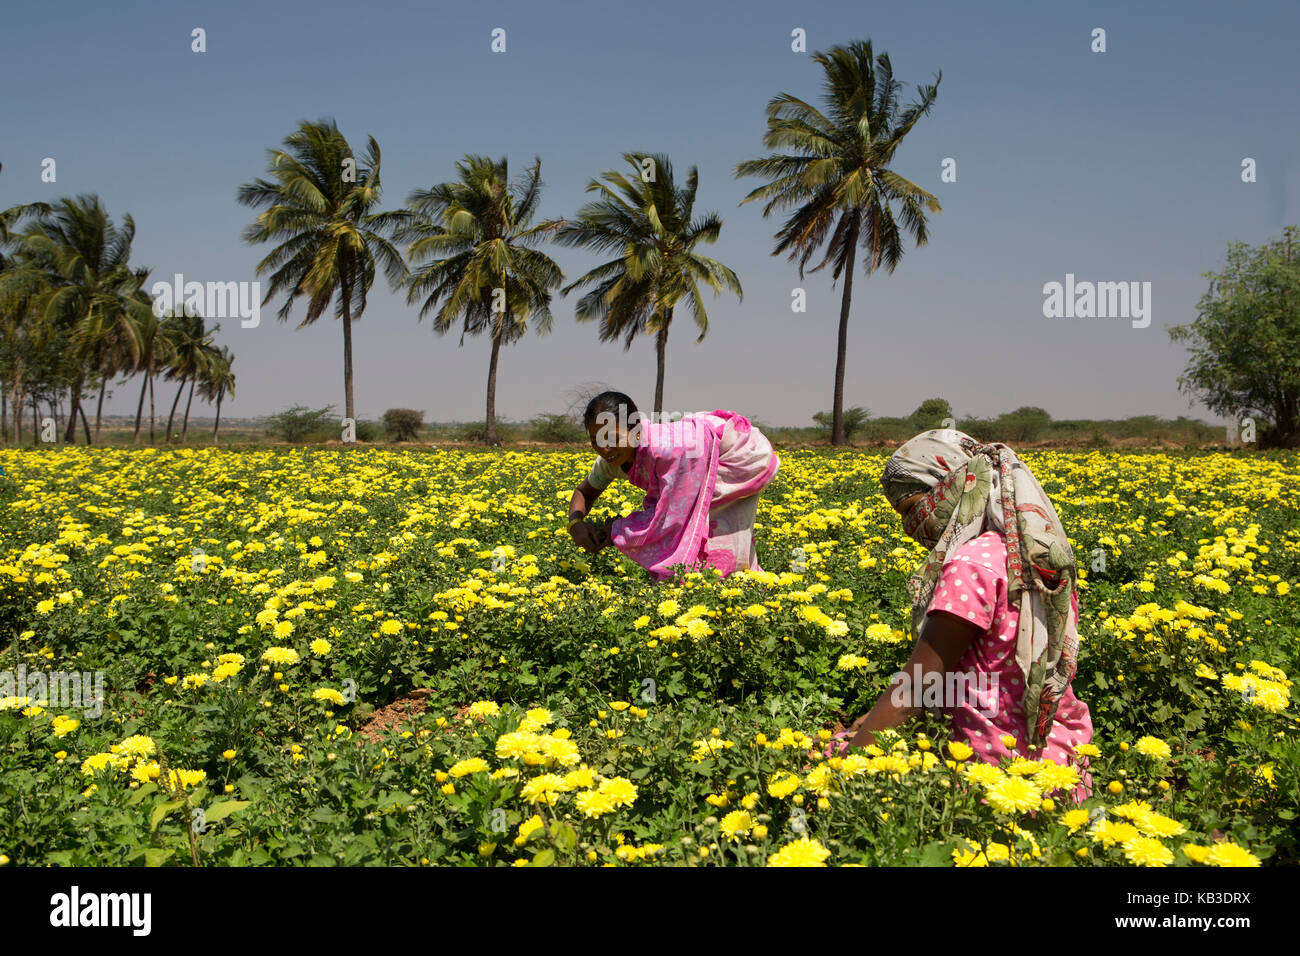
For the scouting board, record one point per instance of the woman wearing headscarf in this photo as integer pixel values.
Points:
(995, 601)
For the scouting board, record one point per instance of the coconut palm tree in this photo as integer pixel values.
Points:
(473, 249)
(208, 357)
(121, 345)
(151, 363)
(834, 172)
(73, 270)
(190, 341)
(646, 221)
(318, 205)
(216, 382)
(17, 318)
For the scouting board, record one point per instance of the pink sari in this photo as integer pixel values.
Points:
(702, 476)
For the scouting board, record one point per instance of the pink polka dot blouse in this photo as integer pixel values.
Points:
(973, 587)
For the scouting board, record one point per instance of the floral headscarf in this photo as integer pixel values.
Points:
(971, 488)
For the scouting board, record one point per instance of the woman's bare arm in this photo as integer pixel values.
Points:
(944, 639)
(583, 533)
(583, 498)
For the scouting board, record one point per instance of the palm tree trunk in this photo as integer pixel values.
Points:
(347, 355)
(139, 406)
(152, 417)
(661, 346)
(99, 409)
(75, 402)
(491, 436)
(171, 417)
(18, 405)
(841, 355)
(217, 425)
(81, 409)
(185, 424)
(4, 410)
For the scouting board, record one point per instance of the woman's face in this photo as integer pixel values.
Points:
(622, 451)
(905, 504)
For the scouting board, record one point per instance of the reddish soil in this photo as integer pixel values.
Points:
(391, 716)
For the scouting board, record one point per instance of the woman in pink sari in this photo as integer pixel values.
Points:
(702, 476)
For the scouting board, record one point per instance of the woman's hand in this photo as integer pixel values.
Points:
(944, 640)
(600, 533)
(584, 536)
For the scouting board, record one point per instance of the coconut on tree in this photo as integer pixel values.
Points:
(318, 204)
(648, 222)
(475, 261)
(833, 170)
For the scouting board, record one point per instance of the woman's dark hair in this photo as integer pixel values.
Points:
(609, 403)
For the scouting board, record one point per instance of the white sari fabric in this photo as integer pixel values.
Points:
(746, 463)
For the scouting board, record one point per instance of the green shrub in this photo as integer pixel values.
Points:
(854, 420)
(1026, 423)
(931, 413)
(300, 424)
(403, 424)
(477, 432)
(981, 429)
(557, 429)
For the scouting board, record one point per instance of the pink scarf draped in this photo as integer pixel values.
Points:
(677, 464)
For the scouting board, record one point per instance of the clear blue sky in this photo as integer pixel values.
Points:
(1116, 166)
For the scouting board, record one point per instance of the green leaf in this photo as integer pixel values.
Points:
(224, 808)
(140, 794)
(161, 811)
(567, 838)
(543, 858)
(156, 856)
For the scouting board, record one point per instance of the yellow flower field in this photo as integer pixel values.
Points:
(250, 612)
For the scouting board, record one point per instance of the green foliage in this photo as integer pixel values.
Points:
(1026, 423)
(831, 171)
(478, 432)
(854, 420)
(300, 423)
(557, 429)
(475, 257)
(1245, 340)
(403, 424)
(319, 205)
(313, 783)
(931, 413)
(650, 223)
